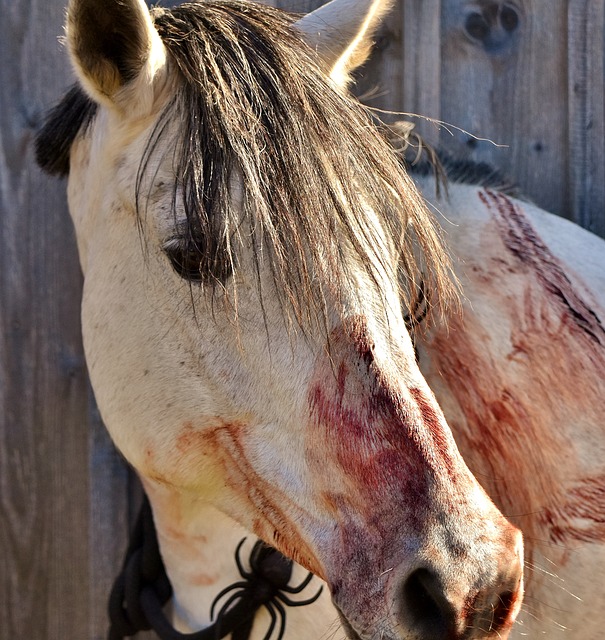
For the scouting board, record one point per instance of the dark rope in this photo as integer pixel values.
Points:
(142, 568)
(142, 589)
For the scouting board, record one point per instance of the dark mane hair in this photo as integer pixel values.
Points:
(71, 116)
(252, 100)
(464, 171)
(421, 159)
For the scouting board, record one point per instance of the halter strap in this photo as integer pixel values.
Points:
(142, 589)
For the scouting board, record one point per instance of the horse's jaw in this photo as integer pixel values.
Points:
(198, 545)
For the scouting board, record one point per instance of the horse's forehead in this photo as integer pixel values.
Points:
(122, 141)
(107, 157)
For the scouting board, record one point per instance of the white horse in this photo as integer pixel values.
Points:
(520, 375)
(239, 224)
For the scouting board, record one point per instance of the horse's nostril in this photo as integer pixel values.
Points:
(425, 604)
(431, 615)
(495, 616)
(502, 610)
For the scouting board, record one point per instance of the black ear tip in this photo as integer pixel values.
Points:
(53, 141)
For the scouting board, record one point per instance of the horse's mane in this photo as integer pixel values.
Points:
(252, 100)
(70, 117)
(466, 171)
(422, 159)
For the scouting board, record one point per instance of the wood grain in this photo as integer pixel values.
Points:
(587, 114)
(531, 104)
(43, 453)
(51, 552)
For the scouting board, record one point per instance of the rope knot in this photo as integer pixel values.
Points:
(143, 570)
(142, 589)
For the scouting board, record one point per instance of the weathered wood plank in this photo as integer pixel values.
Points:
(405, 69)
(421, 60)
(587, 113)
(43, 468)
(503, 78)
(43, 449)
(58, 531)
(109, 521)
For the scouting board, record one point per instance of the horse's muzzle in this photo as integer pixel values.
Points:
(430, 603)
(431, 615)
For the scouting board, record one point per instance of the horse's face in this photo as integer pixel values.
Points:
(313, 427)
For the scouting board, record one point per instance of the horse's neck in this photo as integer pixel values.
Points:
(520, 374)
(198, 545)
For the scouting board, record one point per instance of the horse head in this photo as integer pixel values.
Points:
(241, 227)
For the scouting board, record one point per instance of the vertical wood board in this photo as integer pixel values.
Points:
(586, 157)
(55, 550)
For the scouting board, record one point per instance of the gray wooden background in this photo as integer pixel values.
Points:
(526, 74)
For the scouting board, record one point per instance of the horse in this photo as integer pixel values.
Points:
(518, 373)
(531, 322)
(242, 231)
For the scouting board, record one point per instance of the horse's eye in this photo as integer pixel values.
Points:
(186, 258)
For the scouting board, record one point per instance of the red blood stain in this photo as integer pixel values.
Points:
(580, 515)
(264, 508)
(390, 476)
(272, 512)
(440, 439)
(203, 579)
(187, 439)
(523, 241)
(386, 449)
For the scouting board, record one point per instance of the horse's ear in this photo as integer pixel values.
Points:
(112, 43)
(341, 32)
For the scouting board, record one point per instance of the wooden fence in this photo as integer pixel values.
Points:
(517, 83)
(526, 74)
